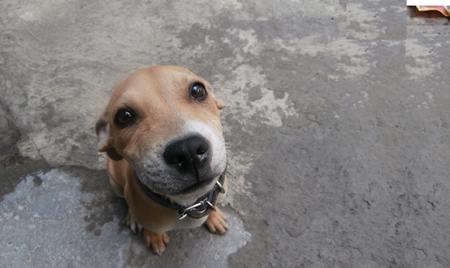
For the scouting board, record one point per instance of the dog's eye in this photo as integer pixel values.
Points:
(124, 118)
(198, 91)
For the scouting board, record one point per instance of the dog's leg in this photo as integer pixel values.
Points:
(217, 222)
(158, 241)
(134, 226)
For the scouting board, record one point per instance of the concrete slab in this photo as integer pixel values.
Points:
(337, 126)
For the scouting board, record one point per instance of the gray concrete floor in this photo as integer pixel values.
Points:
(337, 122)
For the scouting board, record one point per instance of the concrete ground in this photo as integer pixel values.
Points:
(337, 122)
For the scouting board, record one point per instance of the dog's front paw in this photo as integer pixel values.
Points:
(158, 241)
(217, 222)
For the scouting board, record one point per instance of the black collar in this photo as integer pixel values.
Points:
(201, 208)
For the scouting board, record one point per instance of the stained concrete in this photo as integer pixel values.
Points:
(337, 126)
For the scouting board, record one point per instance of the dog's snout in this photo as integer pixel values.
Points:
(188, 155)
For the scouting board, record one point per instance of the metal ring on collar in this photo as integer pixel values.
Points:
(183, 212)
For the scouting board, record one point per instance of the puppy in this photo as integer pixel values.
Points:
(165, 152)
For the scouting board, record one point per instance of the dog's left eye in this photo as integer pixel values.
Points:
(198, 91)
(124, 118)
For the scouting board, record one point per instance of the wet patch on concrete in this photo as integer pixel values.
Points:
(70, 217)
(9, 136)
(14, 165)
(189, 248)
(11, 176)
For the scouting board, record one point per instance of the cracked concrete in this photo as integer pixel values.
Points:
(337, 125)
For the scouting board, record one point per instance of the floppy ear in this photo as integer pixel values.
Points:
(105, 141)
(219, 104)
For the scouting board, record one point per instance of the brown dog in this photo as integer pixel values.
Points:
(166, 154)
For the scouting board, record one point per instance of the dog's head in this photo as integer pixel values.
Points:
(164, 121)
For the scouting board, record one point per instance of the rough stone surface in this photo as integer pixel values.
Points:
(337, 124)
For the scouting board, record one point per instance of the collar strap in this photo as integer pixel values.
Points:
(201, 208)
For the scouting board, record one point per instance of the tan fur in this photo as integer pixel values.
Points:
(160, 96)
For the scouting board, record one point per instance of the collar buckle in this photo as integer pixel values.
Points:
(203, 205)
(194, 208)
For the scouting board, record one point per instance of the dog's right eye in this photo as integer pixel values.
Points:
(124, 118)
(198, 91)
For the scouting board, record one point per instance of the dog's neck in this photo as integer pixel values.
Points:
(198, 209)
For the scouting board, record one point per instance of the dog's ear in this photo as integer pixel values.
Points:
(219, 104)
(105, 142)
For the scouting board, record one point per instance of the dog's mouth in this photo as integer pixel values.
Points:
(195, 187)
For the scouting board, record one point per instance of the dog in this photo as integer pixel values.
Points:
(166, 155)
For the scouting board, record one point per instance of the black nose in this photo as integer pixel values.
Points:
(188, 155)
